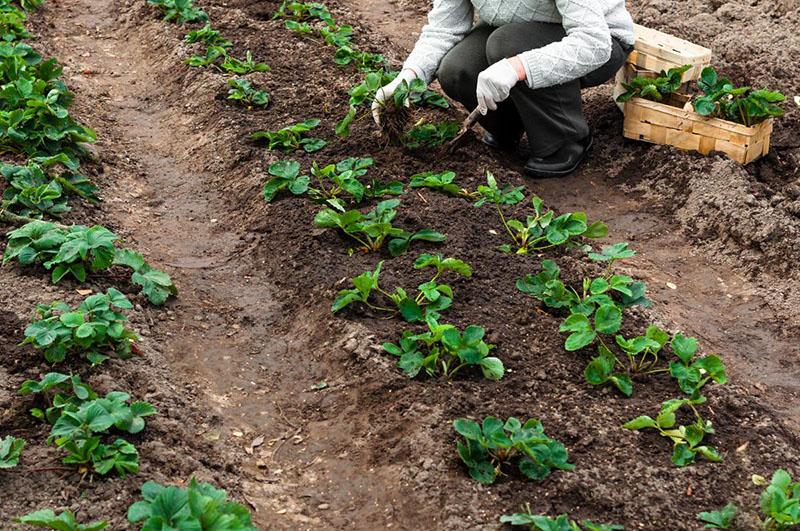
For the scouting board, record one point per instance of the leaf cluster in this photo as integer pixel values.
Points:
(180, 11)
(432, 296)
(198, 507)
(656, 88)
(95, 329)
(743, 105)
(33, 191)
(292, 137)
(372, 229)
(538, 522)
(686, 439)
(243, 91)
(428, 135)
(489, 447)
(780, 502)
(10, 451)
(721, 519)
(443, 182)
(64, 521)
(78, 250)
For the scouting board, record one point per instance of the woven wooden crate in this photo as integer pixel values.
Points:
(673, 123)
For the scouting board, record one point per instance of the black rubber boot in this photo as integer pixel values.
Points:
(508, 146)
(561, 163)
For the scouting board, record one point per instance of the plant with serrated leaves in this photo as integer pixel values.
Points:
(65, 521)
(242, 90)
(208, 36)
(541, 231)
(198, 507)
(95, 329)
(292, 137)
(443, 182)
(432, 298)
(780, 502)
(372, 229)
(444, 349)
(12, 23)
(32, 191)
(77, 251)
(743, 105)
(285, 176)
(489, 448)
(654, 88)
(686, 439)
(303, 11)
(213, 54)
(58, 392)
(340, 184)
(363, 94)
(180, 11)
(346, 55)
(334, 34)
(242, 67)
(539, 522)
(428, 135)
(693, 372)
(721, 519)
(10, 451)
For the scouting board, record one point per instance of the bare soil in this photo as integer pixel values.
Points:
(234, 364)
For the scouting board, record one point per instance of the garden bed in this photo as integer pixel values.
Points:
(373, 448)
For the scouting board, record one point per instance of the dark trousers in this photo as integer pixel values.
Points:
(551, 116)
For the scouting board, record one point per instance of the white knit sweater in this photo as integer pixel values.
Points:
(589, 25)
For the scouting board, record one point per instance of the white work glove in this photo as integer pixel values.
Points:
(384, 93)
(495, 84)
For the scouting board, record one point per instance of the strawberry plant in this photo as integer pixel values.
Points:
(656, 88)
(443, 182)
(212, 55)
(65, 521)
(95, 329)
(12, 24)
(180, 11)
(243, 91)
(428, 135)
(292, 137)
(445, 350)
(686, 439)
(722, 519)
(431, 299)
(372, 229)
(58, 392)
(346, 55)
(199, 507)
(780, 503)
(742, 105)
(208, 36)
(31, 192)
(303, 11)
(242, 67)
(285, 176)
(694, 373)
(77, 251)
(10, 451)
(489, 448)
(339, 184)
(541, 231)
(538, 522)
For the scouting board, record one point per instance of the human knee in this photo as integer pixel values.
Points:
(515, 38)
(455, 75)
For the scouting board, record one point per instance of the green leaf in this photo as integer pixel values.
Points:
(608, 319)
(721, 519)
(492, 368)
(468, 429)
(640, 423)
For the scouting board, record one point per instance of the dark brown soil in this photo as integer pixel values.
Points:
(236, 359)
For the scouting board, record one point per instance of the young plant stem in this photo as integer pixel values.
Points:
(505, 224)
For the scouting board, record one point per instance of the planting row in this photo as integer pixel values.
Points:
(46, 146)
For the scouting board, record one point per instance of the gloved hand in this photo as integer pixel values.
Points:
(495, 84)
(385, 93)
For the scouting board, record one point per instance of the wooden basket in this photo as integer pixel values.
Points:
(655, 51)
(671, 123)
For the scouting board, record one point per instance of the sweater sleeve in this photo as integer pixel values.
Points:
(448, 23)
(586, 47)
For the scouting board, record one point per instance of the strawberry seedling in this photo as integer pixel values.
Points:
(213, 54)
(428, 135)
(95, 329)
(58, 392)
(444, 350)
(538, 522)
(373, 229)
(346, 55)
(780, 503)
(199, 507)
(722, 519)
(65, 521)
(444, 182)
(180, 11)
(339, 184)
(292, 138)
(544, 230)
(208, 36)
(242, 67)
(32, 192)
(654, 89)
(686, 439)
(304, 11)
(242, 90)
(285, 176)
(10, 451)
(742, 105)
(431, 299)
(694, 373)
(77, 251)
(489, 448)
